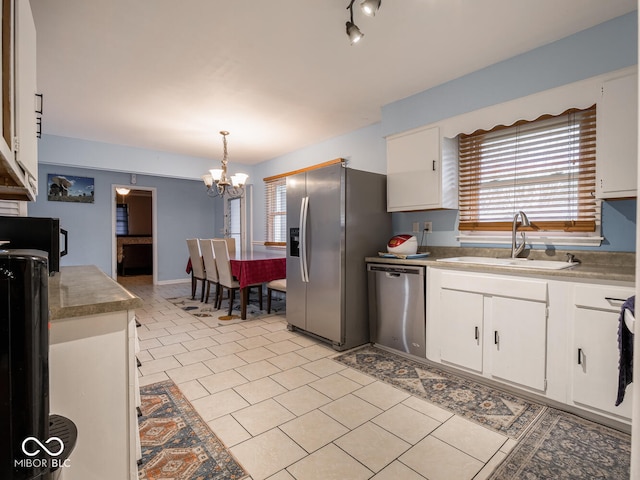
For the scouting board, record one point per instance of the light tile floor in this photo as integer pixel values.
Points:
(287, 411)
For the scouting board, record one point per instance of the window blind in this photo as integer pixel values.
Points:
(275, 189)
(276, 210)
(544, 167)
(122, 219)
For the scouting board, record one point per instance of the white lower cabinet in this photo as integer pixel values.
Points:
(490, 325)
(519, 341)
(557, 338)
(92, 382)
(461, 329)
(595, 356)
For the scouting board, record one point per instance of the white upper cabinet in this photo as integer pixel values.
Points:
(18, 143)
(617, 138)
(26, 142)
(422, 171)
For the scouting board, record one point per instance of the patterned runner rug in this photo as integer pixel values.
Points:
(500, 411)
(176, 443)
(565, 447)
(208, 311)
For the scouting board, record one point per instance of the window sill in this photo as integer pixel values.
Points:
(534, 240)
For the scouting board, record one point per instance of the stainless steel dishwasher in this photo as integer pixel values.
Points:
(397, 297)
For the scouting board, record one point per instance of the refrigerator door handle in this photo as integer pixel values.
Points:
(304, 209)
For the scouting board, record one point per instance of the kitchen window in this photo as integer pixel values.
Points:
(544, 167)
(276, 210)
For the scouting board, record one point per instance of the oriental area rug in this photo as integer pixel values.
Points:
(176, 443)
(500, 411)
(207, 311)
(562, 446)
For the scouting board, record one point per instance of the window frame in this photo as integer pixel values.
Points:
(272, 187)
(282, 179)
(585, 224)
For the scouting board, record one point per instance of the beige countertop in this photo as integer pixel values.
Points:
(597, 266)
(87, 290)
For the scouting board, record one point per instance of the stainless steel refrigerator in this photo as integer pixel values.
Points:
(336, 216)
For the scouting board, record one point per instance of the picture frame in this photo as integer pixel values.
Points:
(70, 188)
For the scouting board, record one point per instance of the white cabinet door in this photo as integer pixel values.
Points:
(25, 92)
(519, 340)
(595, 362)
(412, 169)
(617, 138)
(594, 357)
(421, 171)
(19, 168)
(461, 328)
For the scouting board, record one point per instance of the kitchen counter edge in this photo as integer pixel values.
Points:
(86, 290)
(581, 271)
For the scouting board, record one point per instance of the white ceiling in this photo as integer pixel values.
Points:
(279, 75)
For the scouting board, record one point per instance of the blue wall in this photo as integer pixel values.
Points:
(184, 211)
(606, 47)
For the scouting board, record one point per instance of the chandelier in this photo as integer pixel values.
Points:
(217, 181)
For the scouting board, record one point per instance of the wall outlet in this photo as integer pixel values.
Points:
(428, 227)
(416, 227)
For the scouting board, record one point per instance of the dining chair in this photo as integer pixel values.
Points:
(279, 285)
(197, 267)
(210, 268)
(225, 277)
(231, 245)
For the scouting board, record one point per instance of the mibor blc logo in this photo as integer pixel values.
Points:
(31, 446)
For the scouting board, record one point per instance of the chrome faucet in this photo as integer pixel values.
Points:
(517, 249)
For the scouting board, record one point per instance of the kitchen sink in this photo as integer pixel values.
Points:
(511, 262)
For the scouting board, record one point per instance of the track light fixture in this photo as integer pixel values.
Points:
(369, 7)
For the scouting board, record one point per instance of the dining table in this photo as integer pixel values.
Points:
(252, 267)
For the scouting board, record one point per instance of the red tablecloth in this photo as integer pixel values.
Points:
(253, 271)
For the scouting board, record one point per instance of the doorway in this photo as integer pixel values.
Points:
(134, 234)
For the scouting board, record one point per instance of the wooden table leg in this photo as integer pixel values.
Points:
(244, 299)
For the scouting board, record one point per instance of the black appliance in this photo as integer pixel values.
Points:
(35, 233)
(27, 448)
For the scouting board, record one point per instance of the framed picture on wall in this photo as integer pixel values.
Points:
(69, 188)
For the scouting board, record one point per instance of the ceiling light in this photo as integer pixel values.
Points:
(123, 191)
(355, 35)
(370, 7)
(217, 181)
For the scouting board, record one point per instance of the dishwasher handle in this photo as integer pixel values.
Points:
(395, 270)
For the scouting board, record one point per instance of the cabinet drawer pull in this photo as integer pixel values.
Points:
(496, 339)
(477, 333)
(579, 356)
(433, 165)
(615, 302)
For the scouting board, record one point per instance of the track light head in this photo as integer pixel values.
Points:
(354, 33)
(370, 7)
